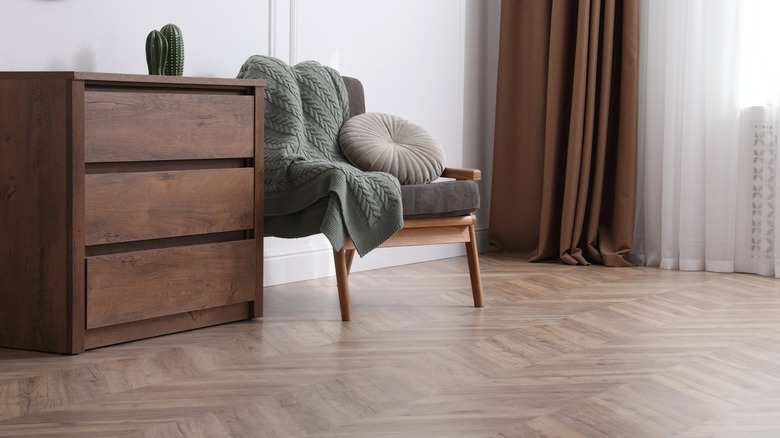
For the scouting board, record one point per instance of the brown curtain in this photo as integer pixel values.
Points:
(564, 169)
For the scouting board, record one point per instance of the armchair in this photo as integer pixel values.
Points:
(441, 212)
(312, 185)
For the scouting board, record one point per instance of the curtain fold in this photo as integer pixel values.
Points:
(564, 171)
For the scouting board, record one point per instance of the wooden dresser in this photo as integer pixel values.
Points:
(130, 206)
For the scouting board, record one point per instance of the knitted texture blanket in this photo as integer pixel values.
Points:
(310, 187)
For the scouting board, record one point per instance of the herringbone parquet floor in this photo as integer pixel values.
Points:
(559, 351)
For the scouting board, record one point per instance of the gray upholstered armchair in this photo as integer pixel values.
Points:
(441, 212)
(316, 182)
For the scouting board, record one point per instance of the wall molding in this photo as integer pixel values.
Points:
(272, 28)
(283, 30)
(293, 51)
(461, 90)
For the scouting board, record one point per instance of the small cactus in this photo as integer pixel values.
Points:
(156, 52)
(175, 63)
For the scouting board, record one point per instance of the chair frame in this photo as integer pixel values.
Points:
(422, 231)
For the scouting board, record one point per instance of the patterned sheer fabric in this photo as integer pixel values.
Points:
(710, 83)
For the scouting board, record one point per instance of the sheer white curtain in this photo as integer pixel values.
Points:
(709, 85)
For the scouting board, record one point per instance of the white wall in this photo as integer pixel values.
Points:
(432, 62)
(109, 35)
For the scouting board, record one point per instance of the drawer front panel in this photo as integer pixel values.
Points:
(146, 126)
(124, 207)
(146, 284)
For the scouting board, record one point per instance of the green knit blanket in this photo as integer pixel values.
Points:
(310, 187)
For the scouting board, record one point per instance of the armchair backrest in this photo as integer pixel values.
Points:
(357, 101)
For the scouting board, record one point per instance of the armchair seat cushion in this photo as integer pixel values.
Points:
(441, 199)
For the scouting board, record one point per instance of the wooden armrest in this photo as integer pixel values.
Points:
(462, 173)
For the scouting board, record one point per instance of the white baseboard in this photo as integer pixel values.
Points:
(297, 260)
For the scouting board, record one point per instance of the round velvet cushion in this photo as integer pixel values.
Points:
(386, 143)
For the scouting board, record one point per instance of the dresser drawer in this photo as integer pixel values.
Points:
(149, 126)
(141, 285)
(123, 207)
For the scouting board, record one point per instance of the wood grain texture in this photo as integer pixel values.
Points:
(221, 85)
(162, 325)
(45, 187)
(141, 285)
(122, 207)
(558, 351)
(123, 126)
(34, 220)
(259, 166)
(76, 299)
(462, 173)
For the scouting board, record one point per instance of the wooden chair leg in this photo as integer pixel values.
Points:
(476, 278)
(343, 260)
(350, 257)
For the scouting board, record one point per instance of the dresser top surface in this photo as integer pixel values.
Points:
(121, 78)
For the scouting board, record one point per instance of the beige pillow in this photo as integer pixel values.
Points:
(387, 143)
